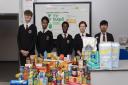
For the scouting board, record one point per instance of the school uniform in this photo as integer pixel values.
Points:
(78, 43)
(103, 37)
(44, 41)
(64, 44)
(26, 39)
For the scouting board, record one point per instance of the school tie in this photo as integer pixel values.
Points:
(27, 28)
(104, 37)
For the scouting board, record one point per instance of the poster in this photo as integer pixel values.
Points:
(60, 12)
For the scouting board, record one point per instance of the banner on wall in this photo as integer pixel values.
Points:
(59, 12)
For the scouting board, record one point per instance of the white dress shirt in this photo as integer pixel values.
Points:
(45, 30)
(83, 34)
(101, 37)
(29, 24)
(63, 34)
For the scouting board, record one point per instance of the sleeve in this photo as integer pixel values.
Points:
(75, 44)
(50, 42)
(58, 45)
(97, 45)
(32, 50)
(19, 39)
(112, 38)
(71, 45)
(37, 44)
(95, 36)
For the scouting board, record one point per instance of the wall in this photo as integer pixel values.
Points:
(9, 6)
(8, 37)
(8, 30)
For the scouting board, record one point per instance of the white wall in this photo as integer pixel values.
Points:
(115, 11)
(9, 6)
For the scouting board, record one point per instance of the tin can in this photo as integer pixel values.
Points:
(28, 60)
(74, 71)
(66, 77)
(80, 63)
(21, 69)
(59, 82)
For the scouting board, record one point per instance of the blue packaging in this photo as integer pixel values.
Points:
(18, 82)
(45, 54)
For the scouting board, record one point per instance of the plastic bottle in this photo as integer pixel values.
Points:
(45, 54)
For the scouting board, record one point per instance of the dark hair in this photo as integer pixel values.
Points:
(45, 18)
(65, 22)
(104, 22)
(83, 22)
(28, 13)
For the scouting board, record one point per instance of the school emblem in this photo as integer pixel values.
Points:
(47, 38)
(68, 41)
(29, 31)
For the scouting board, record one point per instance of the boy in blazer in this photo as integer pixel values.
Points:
(103, 36)
(26, 38)
(78, 43)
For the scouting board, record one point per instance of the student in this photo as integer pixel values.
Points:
(104, 36)
(64, 41)
(44, 38)
(78, 43)
(26, 38)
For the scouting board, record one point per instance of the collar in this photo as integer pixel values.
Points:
(29, 24)
(104, 33)
(63, 34)
(44, 30)
(84, 34)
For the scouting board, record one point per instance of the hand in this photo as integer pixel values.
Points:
(24, 53)
(79, 53)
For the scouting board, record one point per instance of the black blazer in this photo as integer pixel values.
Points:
(26, 39)
(109, 38)
(44, 42)
(78, 43)
(64, 46)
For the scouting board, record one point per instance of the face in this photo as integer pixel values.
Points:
(44, 24)
(27, 18)
(65, 28)
(82, 28)
(103, 28)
